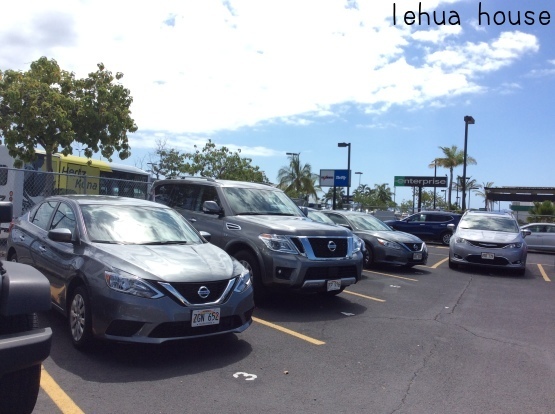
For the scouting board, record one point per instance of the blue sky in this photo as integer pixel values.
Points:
(270, 77)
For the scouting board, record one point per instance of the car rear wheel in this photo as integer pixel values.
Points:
(260, 291)
(445, 237)
(12, 257)
(80, 319)
(19, 389)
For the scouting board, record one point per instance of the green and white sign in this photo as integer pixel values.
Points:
(418, 181)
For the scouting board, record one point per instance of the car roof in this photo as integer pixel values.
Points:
(105, 199)
(488, 213)
(217, 182)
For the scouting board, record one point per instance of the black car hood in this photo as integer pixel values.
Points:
(396, 236)
(171, 263)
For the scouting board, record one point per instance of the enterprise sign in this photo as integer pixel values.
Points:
(401, 181)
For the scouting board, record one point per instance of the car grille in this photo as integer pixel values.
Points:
(190, 291)
(320, 247)
(330, 272)
(413, 247)
(487, 245)
(477, 259)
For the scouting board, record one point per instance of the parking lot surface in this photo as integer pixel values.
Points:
(421, 340)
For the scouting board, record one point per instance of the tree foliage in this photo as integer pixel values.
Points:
(453, 157)
(210, 161)
(297, 180)
(542, 212)
(48, 107)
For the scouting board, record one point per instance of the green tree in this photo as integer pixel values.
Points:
(48, 107)
(214, 162)
(339, 194)
(383, 195)
(542, 212)
(298, 180)
(488, 204)
(453, 157)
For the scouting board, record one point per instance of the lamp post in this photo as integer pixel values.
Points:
(468, 120)
(359, 174)
(342, 145)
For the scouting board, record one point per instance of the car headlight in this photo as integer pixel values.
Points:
(387, 243)
(244, 281)
(278, 243)
(461, 240)
(513, 246)
(132, 285)
(357, 243)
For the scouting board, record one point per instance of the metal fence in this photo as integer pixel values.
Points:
(26, 187)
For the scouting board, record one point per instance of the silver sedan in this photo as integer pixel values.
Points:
(541, 237)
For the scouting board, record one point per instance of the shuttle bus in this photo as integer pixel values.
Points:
(24, 187)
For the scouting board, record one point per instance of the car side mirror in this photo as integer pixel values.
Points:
(207, 236)
(451, 226)
(211, 207)
(525, 233)
(61, 235)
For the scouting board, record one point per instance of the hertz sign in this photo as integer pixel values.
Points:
(401, 181)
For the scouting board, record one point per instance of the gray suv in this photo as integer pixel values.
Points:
(264, 229)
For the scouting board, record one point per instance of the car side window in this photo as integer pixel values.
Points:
(63, 218)
(44, 212)
(207, 193)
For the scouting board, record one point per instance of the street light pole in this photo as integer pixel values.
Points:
(468, 120)
(359, 174)
(347, 144)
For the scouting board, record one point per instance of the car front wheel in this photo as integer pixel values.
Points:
(260, 291)
(80, 319)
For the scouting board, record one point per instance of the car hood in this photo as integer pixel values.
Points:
(292, 225)
(487, 236)
(396, 236)
(171, 263)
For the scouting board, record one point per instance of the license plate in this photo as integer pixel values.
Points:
(202, 317)
(417, 256)
(334, 285)
(488, 256)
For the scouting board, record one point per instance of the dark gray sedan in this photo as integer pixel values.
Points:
(131, 270)
(383, 244)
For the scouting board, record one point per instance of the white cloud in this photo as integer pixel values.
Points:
(198, 66)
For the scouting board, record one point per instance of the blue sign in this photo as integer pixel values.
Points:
(341, 178)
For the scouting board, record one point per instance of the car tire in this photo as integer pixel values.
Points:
(260, 291)
(12, 257)
(368, 257)
(19, 390)
(80, 319)
(445, 237)
(453, 265)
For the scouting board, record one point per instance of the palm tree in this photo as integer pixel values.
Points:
(453, 158)
(339, 194)
(297, 180)
(488, 204)
(383, 194)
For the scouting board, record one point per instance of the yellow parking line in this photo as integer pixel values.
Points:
(439, 263)
(545, 277)
(397, 277)
(289, 332)
(57, 395)
(363, 296)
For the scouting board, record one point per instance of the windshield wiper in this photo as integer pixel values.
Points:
(107, 242)
(159, 243)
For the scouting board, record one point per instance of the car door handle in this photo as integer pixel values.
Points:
(192, 220)
(42, 249)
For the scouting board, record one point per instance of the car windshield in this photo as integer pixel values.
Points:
(136, 225)
(368, 222)
(254, 201)
(503, 224)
